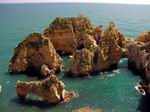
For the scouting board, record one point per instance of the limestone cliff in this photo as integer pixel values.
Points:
(66, 30)
(139, 59)
(32, 53)
(86, 41)
(112, 31)
(80, 64)
(108, 52)
(102, 56)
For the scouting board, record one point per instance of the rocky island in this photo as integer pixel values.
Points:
(34, 52)
(92, 49)
(51, 89)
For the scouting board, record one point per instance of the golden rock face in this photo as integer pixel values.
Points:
(145, 37)
(51, 89)
(81, 63)
(103, 51)
(66, 30)
(92, 50)
(32, 53)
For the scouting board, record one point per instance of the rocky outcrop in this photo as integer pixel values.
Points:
(51, 89)
(80, 64)
(139, 60)
(86, 41)
(98, 33)
(108, 52)
(138, 57)
(102, 56)
(112, 31)
(145, 37)
(66, 30)
(32, 53)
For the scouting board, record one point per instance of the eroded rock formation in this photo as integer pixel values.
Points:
(92, 49)
(86, 41)
(101, 57)
(139, 59)
(145, 37)
(80, 64)
(66, 30)
(51, 89)
(32, 53)
(108, 52)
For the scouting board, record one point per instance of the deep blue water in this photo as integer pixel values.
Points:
(112, 92)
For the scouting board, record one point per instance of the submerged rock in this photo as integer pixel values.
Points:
(32, 53)
(51, 89)
(87, 109)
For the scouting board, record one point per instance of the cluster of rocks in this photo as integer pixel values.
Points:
(66, 30)
(37, 55)
(139, 58)
(93, 49)
(101, 51)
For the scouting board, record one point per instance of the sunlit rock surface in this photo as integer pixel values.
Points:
(66, 31)
(145, 37)
(32, 53)
(80, 64)
(101, 56)
(86, 41)
(51, 89)
(108, 52)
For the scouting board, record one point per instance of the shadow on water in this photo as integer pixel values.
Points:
(29, 74)
(29, 102)
(144, 105)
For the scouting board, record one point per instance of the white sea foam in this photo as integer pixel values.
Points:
(8, 82)
(116, 71)
(0, 88)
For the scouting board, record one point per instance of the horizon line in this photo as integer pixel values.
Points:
(76, 3)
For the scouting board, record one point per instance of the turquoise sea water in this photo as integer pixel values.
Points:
(112, 92)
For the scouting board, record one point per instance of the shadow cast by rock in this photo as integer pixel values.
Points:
(144, 105)
(29, 74)
(29, 102)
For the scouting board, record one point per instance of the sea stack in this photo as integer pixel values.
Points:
(80, 64)
(32, 53)
(63, 32)
(51, 89)
(108, 52)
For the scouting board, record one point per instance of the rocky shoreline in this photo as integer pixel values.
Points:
(92, 49)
